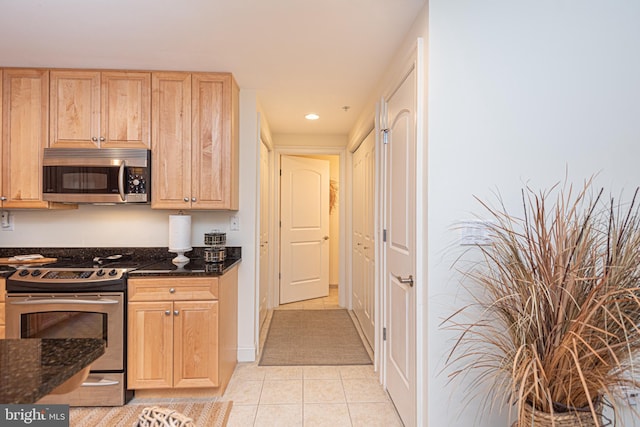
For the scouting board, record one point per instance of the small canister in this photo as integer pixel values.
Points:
(215, 238)
(214, 267)
(214, 254)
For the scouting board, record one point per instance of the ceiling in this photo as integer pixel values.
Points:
(300, 56)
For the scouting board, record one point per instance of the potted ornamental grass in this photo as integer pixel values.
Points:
(551, 327)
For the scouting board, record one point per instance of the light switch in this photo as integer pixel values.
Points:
(474, 232)
(6, 221)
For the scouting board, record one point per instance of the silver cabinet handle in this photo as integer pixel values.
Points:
(3, 199)
(186, 199)
(406, 280)
(176, 312)
(94, 139)
(102, 138)
(172, 291)
(193, 199)
(168, 312)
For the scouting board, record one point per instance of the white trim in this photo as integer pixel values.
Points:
(421, 233)
(247, 354)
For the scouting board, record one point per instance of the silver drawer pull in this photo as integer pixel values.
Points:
(406, 280)
(176, 312)
(172, 291)
(168, 312)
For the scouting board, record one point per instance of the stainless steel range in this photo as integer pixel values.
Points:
(70, 299)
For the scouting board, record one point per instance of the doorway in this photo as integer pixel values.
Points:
(309, 224)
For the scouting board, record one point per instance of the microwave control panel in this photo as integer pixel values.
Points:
(137, 180)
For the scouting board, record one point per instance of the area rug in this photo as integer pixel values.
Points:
(205, 413)
(313, 337)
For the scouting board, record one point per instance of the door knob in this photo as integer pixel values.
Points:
(406, 280)
(168, 312)
(176, 312)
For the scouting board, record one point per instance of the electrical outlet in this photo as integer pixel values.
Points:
(632, 397)
(234, 223)
(6, 221)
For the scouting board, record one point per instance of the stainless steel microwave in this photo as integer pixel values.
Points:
(105, 175)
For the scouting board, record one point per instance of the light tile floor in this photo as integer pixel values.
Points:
(308, 396)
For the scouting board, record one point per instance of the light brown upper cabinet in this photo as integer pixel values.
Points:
(25, 127)
(194, 141)
(94, 109)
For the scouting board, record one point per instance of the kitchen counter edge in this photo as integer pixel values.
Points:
(148, 271)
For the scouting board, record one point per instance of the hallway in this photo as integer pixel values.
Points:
(308, 396)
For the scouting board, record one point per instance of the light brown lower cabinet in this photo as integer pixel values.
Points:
(182, 332)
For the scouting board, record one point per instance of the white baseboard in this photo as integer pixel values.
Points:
(246, 354)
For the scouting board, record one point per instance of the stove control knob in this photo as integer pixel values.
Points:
(100, 273)
(113, 272)
(36, 273)
(23, 273)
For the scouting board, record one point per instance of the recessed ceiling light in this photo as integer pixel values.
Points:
(312, 116)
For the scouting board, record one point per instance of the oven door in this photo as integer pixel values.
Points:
(71, 316)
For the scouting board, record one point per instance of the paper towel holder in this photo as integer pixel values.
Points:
(180, 260)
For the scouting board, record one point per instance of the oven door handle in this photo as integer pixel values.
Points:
(101, 383)
(64, 301)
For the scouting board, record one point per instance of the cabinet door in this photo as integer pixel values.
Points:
(196, 344)
(171, 140)
(125, 120)
(214, 139)
(75, 109)
(150, 345)
(25, 128)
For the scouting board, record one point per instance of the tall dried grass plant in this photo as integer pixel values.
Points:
(555, 305)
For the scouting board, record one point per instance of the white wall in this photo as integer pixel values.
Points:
(519, 91)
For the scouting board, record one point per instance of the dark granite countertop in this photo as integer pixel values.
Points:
(194, 268)
(155, 261)
(32, 368)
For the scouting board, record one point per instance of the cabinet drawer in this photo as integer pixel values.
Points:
(173, 289)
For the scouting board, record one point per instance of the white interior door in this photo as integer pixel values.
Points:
(363, 268)
(265, 196)
(400, 208)
(304, 229)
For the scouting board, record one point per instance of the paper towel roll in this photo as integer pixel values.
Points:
(179, 233)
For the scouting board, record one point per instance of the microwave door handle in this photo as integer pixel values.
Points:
(121, 181)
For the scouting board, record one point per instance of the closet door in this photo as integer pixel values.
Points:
(363, 268)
